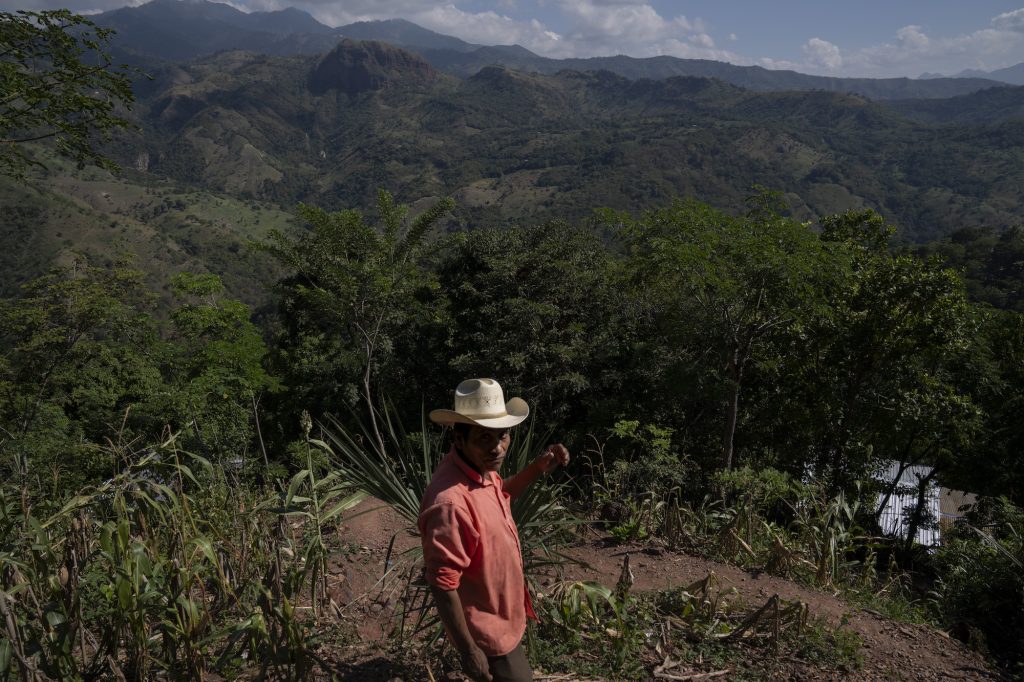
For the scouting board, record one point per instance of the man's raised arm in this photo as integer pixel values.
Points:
(552, 457)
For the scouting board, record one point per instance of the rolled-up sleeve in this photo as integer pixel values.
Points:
(449, 543)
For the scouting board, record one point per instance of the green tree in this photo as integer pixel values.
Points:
(214, 357)
(541, 308)
(875, 373)
(58, 84)
(994, 374)
(76, 357)
(992, 263)
(354, 289)
(82, 361)
(729, 288)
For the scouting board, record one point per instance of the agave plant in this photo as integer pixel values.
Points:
(399, 475)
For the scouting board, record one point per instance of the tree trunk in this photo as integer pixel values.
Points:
(259, 432)
(732, 411)
(890, 490)
(368, 396)
(917, 516)
(905, 461)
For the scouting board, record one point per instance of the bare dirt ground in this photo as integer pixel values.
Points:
(891, 650)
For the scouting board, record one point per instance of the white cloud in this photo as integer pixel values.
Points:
(488, 28)
(823, 54)
(634, 27)
(912, 51)
(1010, 21)
(334, 13)
(603, 23)
(702, 40)
(911, 38)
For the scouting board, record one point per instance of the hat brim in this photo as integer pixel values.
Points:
(516, 412)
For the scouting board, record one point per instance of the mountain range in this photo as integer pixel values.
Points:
(229, 143)
(513, 145)
(1014, 75)
(180, 30)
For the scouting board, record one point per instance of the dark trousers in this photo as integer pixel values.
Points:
(512, 667)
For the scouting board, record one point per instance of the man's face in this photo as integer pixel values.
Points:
(485, 448)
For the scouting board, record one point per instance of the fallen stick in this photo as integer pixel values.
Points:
(694, 676)
(668, 664)
(751, 620)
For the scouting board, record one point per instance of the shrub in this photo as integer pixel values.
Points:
(981, 581)
(637, 475)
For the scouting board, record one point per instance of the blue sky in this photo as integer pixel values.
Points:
(829, 37)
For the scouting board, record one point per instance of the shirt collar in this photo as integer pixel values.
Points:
(471, 473)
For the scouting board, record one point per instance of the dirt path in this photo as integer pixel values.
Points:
(892, 650)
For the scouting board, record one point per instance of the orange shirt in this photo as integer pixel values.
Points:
(470, 544)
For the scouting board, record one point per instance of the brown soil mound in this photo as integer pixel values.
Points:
(892, 650)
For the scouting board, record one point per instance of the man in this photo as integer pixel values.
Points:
(470, 543)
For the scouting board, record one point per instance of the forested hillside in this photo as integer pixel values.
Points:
(515, 146)
(510, 147)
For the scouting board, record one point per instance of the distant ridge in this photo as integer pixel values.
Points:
(177, 30)
(511, 145)
(986, 107)
(749, 77)
(181, 31)
(1014, 75)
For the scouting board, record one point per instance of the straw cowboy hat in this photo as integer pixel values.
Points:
(481, 402)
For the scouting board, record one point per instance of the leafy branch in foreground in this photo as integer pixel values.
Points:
(59, 84)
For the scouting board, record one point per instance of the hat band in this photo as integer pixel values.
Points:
(481, 406)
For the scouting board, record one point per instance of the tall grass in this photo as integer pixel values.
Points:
(166, 569)
(981, 587)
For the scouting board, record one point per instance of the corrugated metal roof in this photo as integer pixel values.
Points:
(893, 517)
